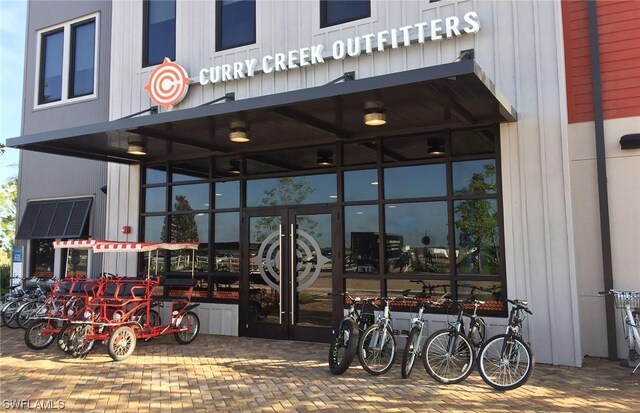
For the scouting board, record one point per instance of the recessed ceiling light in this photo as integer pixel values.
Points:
(359, 212)
(374, 183)
(392, 206)
(333, 196)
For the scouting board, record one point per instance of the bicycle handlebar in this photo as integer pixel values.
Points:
(521, 304)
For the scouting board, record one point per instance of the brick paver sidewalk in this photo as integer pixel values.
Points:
(235, 374)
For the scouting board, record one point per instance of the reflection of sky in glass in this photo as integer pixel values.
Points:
(415, 220)
(227, 194)
(227, 227)
(155, 176)
(318, 226)
(154, 200)
(463, 173)
(197, 196)
(415, 181)
(153, 229)
(202, 221)
(357, 185)
(362, 218)
(300, 190)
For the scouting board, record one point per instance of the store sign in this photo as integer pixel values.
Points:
(169, 82)
(16, 267)
(434, 30)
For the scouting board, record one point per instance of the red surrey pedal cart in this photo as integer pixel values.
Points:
(120, 311)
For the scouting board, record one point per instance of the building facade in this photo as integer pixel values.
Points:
(375, 147)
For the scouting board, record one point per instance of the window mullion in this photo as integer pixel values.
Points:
(66, 62)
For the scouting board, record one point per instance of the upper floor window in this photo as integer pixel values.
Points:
(334, 12)
(159, 31)
(68, 61)
(235, 23)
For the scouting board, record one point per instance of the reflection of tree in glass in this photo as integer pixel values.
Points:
(183, 228)
(287, 192)
(477, 221)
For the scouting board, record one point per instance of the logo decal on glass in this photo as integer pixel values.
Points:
(309, 260)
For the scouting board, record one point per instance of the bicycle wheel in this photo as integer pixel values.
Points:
(9, 316)
(79, 346)
(377, 349)
(191, 323)
(25, 312)
(633, 356)
(505, 363)
(34, 338)
(448, 356)
(343, 347)
(411, 350)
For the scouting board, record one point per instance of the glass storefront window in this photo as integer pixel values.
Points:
(227, 194)
(363, 288)
(76, 263)
(417, 235)
(418, 289)
(190, 197)
(298, 190)
(226, 288)
(153, 229)
(156, 175)
(227, 242)
(474, 177)
(361, 185)
(488, 291)
(477, 240)
(42, 258)
(415, 181)
(155, 199)
(471, 142)
(189, 228)
(361, 239)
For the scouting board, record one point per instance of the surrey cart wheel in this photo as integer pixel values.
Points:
(78, 344)
(64, 336)
(191, 323)
(154, 318)
(122, 343)
(34, 338)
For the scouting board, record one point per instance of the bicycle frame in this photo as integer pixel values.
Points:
(633, 330)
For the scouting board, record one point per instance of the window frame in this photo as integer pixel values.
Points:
(218, 29)
(145, 34)
(67, 56)
(323, 16)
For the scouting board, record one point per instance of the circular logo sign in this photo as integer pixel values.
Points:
(168, 84)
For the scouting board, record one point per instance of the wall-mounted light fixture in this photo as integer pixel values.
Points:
(238, 131)
(325, 158)
(234, 166)
(374, 113)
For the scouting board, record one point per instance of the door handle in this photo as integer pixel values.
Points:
(280, 269)
(293, 274)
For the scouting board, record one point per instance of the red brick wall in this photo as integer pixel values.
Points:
(619, 42)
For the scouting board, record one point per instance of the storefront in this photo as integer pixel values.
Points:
(376, 148)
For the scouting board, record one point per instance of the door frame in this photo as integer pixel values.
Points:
(287, 330)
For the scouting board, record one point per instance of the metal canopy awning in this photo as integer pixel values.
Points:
(449, 96)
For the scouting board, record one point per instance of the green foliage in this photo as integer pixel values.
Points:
(5, 274)
(8, 202)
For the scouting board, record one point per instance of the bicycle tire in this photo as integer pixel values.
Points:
(33, 337)
(505, 371)
(442, 366)
(26, 311)
(64, 336)
(121, 343)
(477, 333)
(344, 346)
(190, 320)
(377, 361)
(410, 353)
(633, 355)
(10, 316)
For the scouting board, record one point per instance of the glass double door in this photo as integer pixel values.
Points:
(288, 273)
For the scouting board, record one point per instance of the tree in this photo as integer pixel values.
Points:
(477, 223)
(8, 202)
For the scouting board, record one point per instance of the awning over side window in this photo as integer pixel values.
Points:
(66, 218)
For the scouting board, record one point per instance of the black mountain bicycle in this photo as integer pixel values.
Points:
(347, 336)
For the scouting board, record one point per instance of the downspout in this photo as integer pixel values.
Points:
(601, 164)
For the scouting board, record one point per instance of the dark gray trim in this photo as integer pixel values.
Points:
(603, 196)
(463, 67)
